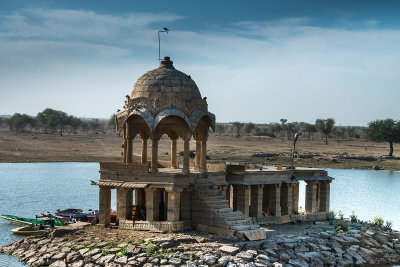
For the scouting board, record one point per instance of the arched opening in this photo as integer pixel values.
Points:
(134, 126)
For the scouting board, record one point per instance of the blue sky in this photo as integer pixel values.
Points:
(255, 61)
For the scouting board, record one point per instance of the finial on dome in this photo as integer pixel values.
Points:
(167, 63)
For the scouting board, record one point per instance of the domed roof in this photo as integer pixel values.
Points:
(165, 82)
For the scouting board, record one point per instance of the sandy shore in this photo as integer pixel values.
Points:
(34, 147)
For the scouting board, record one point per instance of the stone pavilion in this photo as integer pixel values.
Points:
(216, 197)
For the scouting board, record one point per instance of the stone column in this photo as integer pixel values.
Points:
(311, 196)
(144, 150)
(324, 196)
(275, 199)
(203, 160)
(243, 199)
(153, 199)
(185, 205)
(129, 152)
(154, 155)
(124, 145)
(256, 201)
(174, 204)
(233, 197)
(295, 198)
(197, 155)
(185, 168)
(104, 205)
(266, 197)
(124, 198)
(139, 197)
(286, 199)
(174, 163)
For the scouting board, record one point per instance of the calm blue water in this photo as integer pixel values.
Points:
(29, 188)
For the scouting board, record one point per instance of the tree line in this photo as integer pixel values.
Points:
(54, 121)
(387, 130)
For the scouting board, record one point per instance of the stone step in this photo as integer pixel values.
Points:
(245, 227)
(252, 235)
(222, 210)
(217, 205)
(215, 201)
(234, 215)
(244, 221)
(204, 186)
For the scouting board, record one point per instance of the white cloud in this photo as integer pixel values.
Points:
(259, 71)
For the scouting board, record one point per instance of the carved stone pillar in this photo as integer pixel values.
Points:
(275, 199)
(174, 204)
(203, 160)
(154, 155)
(124, 145)
(243, 199)
(197, 155)
(324, 196)
(256, 200)
(311, 196)
(129, 152)
(124, 198)
(104, 205)
(185, 168)
(286, 199)
(295, 198)
(153, 199)
(174, 163)
(144, 150)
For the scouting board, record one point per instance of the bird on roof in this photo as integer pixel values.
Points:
(165, 29)
(118, 110)
(205, 98)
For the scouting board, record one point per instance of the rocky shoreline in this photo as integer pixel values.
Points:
(96, 246)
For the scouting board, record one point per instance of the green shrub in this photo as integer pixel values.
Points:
(342, 225)
(103, 252)
(378, 221)
(353, 217)
(151, 249)
(340, 214)
(388, 226)
(141, 241)
(331, 215)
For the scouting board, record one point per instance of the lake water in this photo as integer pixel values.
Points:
(29, 188)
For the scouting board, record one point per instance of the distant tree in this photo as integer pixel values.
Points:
(238, 126)
(19, 122)
(53, 119)
(309, 128)
(339, 131)
(249, 127)
(75, 123)
(283, 121)
(384, 131)
(325, 127)
(276, 128)
(94, 125)
(220, 128)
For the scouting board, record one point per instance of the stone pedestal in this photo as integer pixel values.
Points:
(311, 196)
(104, 205)
(256, 201)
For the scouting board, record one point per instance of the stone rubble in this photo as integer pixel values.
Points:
(358, 246)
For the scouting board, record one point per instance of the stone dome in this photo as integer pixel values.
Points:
(165, 82)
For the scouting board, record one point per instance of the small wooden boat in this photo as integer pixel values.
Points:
(29, 221)
(29, 230)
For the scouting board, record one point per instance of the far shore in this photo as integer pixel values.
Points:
(92, 147)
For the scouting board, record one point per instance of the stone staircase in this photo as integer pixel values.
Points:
(223, 215)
